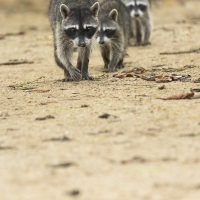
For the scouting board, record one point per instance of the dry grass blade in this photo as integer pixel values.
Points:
(194, 89)
(17, 62)
(181, 52)
(180, 96)
(45, 118)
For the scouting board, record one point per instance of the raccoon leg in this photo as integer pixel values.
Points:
(113, 64)
(83, 61)
(131, 34)
(56, 58)
(66, 73)
(74, 72)
(79, 62)
(64, 52)
(147, 32)
(116, 55)
(120, 64)
(105, 52)
(138, 34)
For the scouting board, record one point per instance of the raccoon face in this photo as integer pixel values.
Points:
(137, 8)
(105, 33)
(107, 28)
(80, 24)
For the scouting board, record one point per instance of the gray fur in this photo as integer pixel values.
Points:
(141, 21)
(113, 17)
(64, 15)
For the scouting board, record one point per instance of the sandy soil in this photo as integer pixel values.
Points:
(147, 149)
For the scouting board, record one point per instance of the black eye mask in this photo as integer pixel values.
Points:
(71, 32)
(131, 7)
(89, 31)
(109, 33)
(142, 7)
(74, 33)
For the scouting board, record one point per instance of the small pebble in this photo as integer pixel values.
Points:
(74, 193)
(84, 106)
(162, 87)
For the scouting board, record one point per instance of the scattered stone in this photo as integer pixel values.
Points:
(4, 115)
(75, 192)
(136, 159)
(194, 89)
(120, 76)
(45, 118)
(106, 116)
(84, 106)
(59, 139)
(162, 87)
(63, 165)
(129, 75)
(138, 70)
(197, 80)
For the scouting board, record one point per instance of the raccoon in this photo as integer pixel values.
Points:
(74, 23)
(140, 11)
(113, 33)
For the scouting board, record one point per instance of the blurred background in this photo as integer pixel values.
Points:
(42, 6)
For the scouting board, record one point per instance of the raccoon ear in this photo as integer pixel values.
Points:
(113, 15)
(64, 10)
(95, 9)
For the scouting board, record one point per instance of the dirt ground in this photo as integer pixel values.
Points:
(145, 148)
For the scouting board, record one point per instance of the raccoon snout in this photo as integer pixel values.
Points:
(101, 42)
(137, 15)
(82, 44)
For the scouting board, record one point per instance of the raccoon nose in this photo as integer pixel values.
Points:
(101, 41)
(137, 15)
(82, 44)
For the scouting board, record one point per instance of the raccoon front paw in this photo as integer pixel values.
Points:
(106, 66)
(110, 70)
(137, 44)
(75, 74)
(87, 77)
(146, 43)
(67, 79)
(120, 66)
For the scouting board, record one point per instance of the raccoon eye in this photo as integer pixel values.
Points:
(107, 31)
(142, 7)
(73, 30)
(131, 7)
(90, 29)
